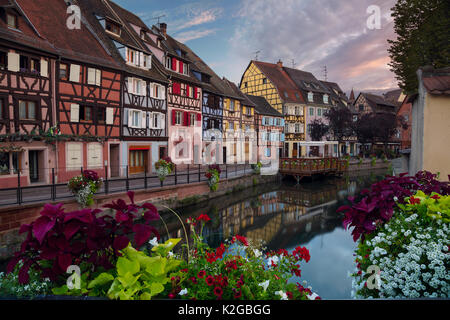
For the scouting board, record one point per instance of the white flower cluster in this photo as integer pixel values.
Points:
(162, 172)
(416, 269)
(83, 195)
(11, 287)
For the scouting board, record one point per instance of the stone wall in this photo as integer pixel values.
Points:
(11, 218)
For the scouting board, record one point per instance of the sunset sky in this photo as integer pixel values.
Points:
(314, 33)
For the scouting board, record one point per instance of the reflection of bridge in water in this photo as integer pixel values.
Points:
(278, 214)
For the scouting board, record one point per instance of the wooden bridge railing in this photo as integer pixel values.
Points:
(310, 166)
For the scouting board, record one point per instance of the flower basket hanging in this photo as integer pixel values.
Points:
(84, 186)
(213, 176)
(164, 167)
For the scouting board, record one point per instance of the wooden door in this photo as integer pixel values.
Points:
(137, 161)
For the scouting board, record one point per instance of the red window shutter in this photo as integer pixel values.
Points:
(199, 118)
(187, 90)
(176, 89)
(195, 93)
(181, 66)
(185, 118)
(174, 117)
(174, 64)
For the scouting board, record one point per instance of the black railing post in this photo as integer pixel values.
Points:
(19, 189)
(199, 173)
(176, 175)
(127, 183)
(245, 164)
(226, 171)
(188, 173)
(53, 185)
(106, 180)
(81, 170)
(145, 178)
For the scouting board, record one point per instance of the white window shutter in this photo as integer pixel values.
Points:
(98, 77)
(162, 121)
(162, 92)
(74, 73)
(13, 61)
(44, 68)
(130, 118)
(125, 116)
(110, 116)
(91, 76)
(141, 59)
(144, 120)
(74, 155)
(74, 112)
(143, 88)
(130, 85)
(150, 123)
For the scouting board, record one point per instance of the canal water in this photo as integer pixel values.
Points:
(286, 215)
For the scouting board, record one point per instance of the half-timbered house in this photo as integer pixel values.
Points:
(184, 100)
(26, 99)
(247, 135)
(269, 125)
(273, 83)
(87, 91)
(143, 126)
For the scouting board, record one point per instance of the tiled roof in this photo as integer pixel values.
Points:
(281, 81)
(78, 44)
(263, 107)
(306, 81)
(437, 81)
(238, 93)
(379, 104)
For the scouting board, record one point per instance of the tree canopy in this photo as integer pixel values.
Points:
(423, 39)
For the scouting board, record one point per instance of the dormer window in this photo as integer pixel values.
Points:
(143, 33)
(310, 97)
(112, 27)
(11, 20)
(264, 80)
(138, 59)
(325, 98)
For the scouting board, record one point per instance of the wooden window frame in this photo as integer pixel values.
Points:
(36, 110)
(66, 78)
(83, 114)
(3, 60)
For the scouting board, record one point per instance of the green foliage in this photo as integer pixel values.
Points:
(434, 206)
(423, 30)
(137, 276)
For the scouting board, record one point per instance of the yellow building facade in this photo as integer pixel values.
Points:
(272, 82)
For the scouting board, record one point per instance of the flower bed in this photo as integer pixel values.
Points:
(86, 254)
(402, 229)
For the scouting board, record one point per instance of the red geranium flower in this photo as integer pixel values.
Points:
(241, 239)
(193, 280)
(435, 197)
(413, 200)
(237, 294)
(289, 295)
(204, 217)
(201, 274)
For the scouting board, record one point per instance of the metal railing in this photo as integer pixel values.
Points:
(46, 187)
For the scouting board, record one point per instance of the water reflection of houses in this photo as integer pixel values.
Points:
(285, 213)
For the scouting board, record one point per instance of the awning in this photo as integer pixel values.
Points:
(134, 148)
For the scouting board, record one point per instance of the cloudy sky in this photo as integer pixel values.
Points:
(308, 34)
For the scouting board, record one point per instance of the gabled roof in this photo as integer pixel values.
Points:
(306, 81)
(378, 103)
(336, 92)
(287, 89)
(76, 44)
(96, 10)
(238, 93)
(263, 107)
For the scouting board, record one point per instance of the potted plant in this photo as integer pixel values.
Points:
(84, 186)
(164, 167)
(213, 176)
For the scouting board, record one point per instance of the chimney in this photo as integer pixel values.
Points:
(280, 64)
(163, 29)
